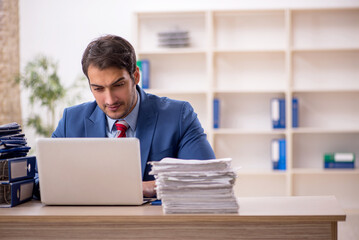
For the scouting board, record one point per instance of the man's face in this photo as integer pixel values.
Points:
(114, 90)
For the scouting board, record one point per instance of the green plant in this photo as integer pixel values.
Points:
(45, 93)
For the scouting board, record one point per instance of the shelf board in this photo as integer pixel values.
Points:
(166, 13)
(260, 91)
(325, 90)
(334, 49)
(234, 131)
(323, 9)
(252, 50)
(175, 92)
(324, 130)
(169, 51)
(262, 172)
(315, 171)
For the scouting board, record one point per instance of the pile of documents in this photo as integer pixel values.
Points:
(17, 170)
(195, 186)
(173, 39)
(12, 141)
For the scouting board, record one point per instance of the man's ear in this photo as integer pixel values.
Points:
(136, 75)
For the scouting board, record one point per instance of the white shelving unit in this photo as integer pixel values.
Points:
(246, 57)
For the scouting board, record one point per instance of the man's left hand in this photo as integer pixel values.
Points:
(148, 189)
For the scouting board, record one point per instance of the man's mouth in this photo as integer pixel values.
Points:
(113, 108)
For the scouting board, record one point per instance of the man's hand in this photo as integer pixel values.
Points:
(148, 189)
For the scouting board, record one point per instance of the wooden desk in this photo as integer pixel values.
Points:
(258, 218)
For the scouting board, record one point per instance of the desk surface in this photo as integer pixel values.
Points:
(272, 218)
(319, 208)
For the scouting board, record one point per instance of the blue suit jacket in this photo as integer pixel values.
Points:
(165, 128)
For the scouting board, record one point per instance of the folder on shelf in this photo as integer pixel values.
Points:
(339, 160)
(294, 112)
(16, 169)
(278, 112)
(138, 63)
(278, 152)
(144, 66)
(15, 193)
(216, 113)
(339, 165)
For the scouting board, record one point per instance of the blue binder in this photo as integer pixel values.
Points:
(278, 112)
(16, 169)
(294, 112)
(339, 164)
(9, 129)
(145, 69)
(15, 193)
(279, 154)
(216, 113)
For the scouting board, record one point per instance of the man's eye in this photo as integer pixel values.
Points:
(98, 89)
(119, 84)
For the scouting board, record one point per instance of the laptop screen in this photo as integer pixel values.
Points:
(89, 171)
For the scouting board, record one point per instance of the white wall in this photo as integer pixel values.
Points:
(62, 29)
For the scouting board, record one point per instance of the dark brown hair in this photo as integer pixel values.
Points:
(109, 51)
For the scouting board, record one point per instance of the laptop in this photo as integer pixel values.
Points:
(89, 171)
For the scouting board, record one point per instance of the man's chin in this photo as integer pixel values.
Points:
(114, 115)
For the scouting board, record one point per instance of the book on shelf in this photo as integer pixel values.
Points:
(216, 113)
(144, 66)
(17, 170)
(278, 113)
(278, 154)
(339, 160)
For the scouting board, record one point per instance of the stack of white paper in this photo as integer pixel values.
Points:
(195, 186)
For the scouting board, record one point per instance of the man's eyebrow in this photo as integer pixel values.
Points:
(95, 85)
(115, 82)
(118, 80)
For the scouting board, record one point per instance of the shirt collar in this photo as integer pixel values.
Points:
(131, 118)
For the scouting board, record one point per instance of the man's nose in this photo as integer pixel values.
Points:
(110, 97)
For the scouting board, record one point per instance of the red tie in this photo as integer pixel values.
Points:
(121, 127)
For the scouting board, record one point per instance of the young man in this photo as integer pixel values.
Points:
(165, 127)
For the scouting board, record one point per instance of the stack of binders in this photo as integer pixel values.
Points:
(278, 113)
(339, 160)
(17, 170)
(173, 39)
(195, 186)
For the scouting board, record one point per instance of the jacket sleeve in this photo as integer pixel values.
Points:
(193, 141)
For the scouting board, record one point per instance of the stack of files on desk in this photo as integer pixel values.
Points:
(195, 186)
(12, 141)
(17, 170)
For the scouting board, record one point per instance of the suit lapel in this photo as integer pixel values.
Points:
(146, 123)
(95, 125)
